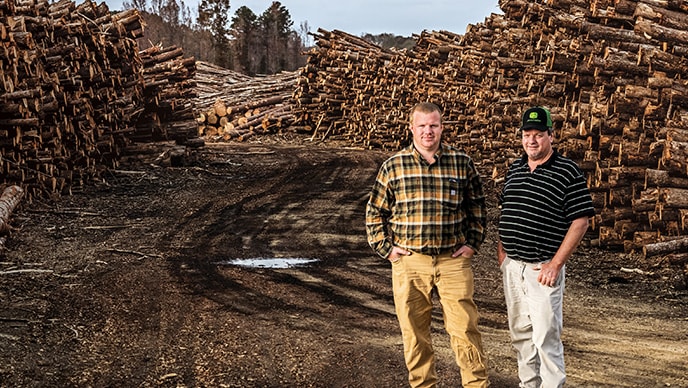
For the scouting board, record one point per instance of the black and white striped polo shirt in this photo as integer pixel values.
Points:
(537, 207)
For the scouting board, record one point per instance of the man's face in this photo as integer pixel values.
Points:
(427, 130)
(537, 144)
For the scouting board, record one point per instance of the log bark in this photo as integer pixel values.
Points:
(9, 200)
(664, 247)
(662, 178)
(674, 197)
(648, 28)
(661, 16)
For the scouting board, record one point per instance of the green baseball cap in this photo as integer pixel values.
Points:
(536, 118)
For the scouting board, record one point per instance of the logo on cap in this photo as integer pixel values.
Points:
(536, 118)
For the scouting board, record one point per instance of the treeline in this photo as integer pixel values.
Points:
(243, 41)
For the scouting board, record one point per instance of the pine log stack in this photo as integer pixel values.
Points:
(233, 106)
(169, 92)
(68, 84)
(72, 90)
(347, 91)
(214, 82)
(612, 73)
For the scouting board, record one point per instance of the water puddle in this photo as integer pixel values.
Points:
(275, 262)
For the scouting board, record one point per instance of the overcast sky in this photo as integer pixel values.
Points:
(399, 17)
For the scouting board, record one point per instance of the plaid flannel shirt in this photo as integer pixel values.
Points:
(426, 207)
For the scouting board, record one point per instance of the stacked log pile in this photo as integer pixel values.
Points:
(233, 106)
(169, 93)
(71, 91)
(61, 105)
(621, 96)
(347, 90)
(610, 71)
(214, 82)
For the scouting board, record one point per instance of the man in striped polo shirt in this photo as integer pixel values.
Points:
(545, 206)
(426, 215)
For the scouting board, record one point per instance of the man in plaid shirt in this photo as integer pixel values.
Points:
(426, 215)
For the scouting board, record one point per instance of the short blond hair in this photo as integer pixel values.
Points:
(425, 107)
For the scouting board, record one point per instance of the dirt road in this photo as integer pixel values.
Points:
(127, 284)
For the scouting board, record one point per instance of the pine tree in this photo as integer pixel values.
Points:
(244, 30)
(213, 16)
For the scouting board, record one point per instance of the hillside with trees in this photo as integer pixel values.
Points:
(244, 41)
(240, 40)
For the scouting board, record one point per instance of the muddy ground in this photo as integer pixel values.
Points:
(126, 284)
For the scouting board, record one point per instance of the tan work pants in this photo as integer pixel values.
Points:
(414, 278)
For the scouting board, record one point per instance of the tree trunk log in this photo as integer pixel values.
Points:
(9, 200)
(673, 246)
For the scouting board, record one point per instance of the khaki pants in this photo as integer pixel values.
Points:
(414, 278)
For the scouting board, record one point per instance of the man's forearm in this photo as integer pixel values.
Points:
(573, 237)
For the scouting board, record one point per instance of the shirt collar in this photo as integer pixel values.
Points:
(441, 150)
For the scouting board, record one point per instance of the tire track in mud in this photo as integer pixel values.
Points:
(302, 203)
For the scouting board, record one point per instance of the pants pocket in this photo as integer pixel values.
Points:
(504, 263)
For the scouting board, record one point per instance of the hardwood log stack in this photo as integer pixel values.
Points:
(612, 72)
(74, 90)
